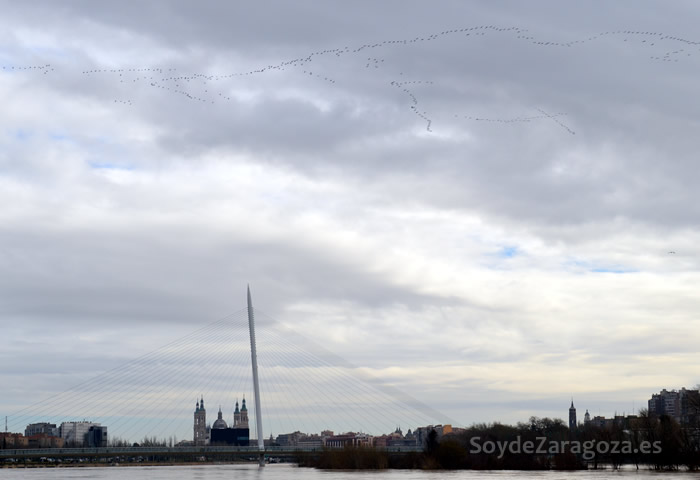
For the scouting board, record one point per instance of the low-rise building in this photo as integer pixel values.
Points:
(396, 439)
(349, 439)
(42, 440)
(289, 439)
(13, 440)
(381, 441)
(310, 441)
(601, 422)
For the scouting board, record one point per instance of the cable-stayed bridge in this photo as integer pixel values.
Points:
(151, 401)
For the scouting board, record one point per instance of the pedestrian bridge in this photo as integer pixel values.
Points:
(107, 452)
(306, 387)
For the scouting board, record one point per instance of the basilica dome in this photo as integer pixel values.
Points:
(220, 423)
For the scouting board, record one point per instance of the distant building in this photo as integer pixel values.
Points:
(47, 435)
(601, 422)
(421, 433)
(410, 439)
(665, 403)
(75, 433)
(443, 430)
(240, 417)
(237, 434)
(349, 439)
(572, 416)
(43, 427)
(301, 440)
(200, 423)
(42, 440)
(364, 440)
(629, 421)
(96, 436)
(619, 421)
(220, 423)
(381, 441)
(682, 405)
(230, 436)
(13, 440)
(289, 439)
(310, 441)
(398, 439)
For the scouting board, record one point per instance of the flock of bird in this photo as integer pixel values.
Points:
(510, 120)
(414, 100)
(43, 68)
(557, 121)
(208, 88)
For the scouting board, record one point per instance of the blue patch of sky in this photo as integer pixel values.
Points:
(58, 137)
(109, 166)
(615, 269)
(508, 252)
(496, 259)
(583, 266)
(22, 134)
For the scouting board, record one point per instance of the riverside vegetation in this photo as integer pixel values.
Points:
(644, 441)
(649, 442)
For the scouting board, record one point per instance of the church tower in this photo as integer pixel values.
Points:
(244, 415)
(572, 416)
(236, 416)
(200, 423)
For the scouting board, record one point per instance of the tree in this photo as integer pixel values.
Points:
(431, 443)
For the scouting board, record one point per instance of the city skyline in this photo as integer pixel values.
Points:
(306, 387)
(489, 207)
(680, 406)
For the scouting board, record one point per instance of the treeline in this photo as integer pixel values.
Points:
(360, 458)
(113, 442)
(152, 442)
(646, 441)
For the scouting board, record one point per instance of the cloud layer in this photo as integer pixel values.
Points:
(477, 202)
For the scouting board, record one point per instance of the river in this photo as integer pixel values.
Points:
(291, 472)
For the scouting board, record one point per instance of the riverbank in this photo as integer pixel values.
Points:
(118, 464)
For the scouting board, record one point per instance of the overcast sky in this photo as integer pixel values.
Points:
(493, 205)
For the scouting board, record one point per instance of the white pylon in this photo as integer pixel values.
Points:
(256, 382)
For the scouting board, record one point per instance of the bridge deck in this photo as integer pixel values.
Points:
(148, 451)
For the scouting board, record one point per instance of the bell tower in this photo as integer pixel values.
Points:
(236, 415)
(244, 415)
(572, 416)
(200, 423)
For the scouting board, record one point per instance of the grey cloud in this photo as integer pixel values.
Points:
(79, 250)
(100, 278)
